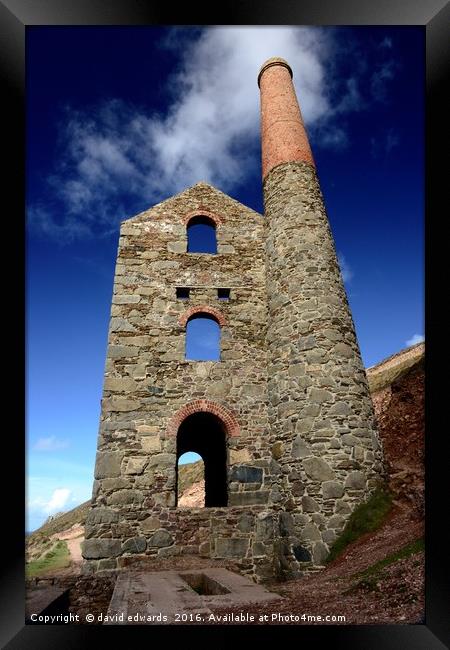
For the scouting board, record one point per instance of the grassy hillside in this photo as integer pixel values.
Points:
(386, 372)
(368, 516)
(189, 474)
(57, 557)
(63, 522)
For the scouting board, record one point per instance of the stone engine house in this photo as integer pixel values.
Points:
(283, 421)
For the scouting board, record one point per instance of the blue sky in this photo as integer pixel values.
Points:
(120, 118)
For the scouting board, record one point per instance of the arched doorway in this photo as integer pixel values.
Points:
(204, 434)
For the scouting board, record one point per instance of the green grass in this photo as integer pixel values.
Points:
(410, 549)
(370, 577)
(57, 558)
(366, 518)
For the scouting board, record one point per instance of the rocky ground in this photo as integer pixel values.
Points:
(399, 407)
(393, 594)
(193, 496)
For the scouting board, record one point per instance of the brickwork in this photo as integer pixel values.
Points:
(202, 212)
(202, 309)
(204, 406)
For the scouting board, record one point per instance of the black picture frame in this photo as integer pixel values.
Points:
(434, 16)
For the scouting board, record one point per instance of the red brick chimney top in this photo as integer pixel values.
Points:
(283, 134)
(275, 60)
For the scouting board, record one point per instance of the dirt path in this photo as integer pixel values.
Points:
(73, 538)
(74, 546)
(193, 497)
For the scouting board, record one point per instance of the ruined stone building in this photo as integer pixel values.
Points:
(283, 420)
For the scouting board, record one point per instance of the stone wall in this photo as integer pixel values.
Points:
(91, 595)
(149, 387)
(324, 443)
(290, 389)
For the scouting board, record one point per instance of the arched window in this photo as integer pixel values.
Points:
(204, 434)
(202, 338)
(190, 481)
(201, 235)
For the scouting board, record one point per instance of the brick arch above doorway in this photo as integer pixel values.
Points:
(204, 406)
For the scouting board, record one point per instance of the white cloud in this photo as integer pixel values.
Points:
(45, 496)
(392, 140)
(417, 338)
(334, 138)
(118, 159)
(347, 272)
(42, 219)
(352, 99)
(386, 43)
(384, 73)
(58, 500)
(384, 143)
(213, 115)
(52, 443)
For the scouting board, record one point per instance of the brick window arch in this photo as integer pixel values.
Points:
(204, 406)
(201, 235)
(201, 230)
(203, 213)
(202, 309)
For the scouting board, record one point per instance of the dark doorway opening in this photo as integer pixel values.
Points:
(204, 434)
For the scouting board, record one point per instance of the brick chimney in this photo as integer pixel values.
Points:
(321, 420)
(283, 133)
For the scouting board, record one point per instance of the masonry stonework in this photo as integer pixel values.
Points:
(288, 400)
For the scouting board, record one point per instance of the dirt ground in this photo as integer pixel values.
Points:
(193, 497)
(395, 596)
(73, 537)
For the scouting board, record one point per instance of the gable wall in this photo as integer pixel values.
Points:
(148, 381)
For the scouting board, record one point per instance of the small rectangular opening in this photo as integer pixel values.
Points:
(204, 585)
(182, 293)
(223, 294)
